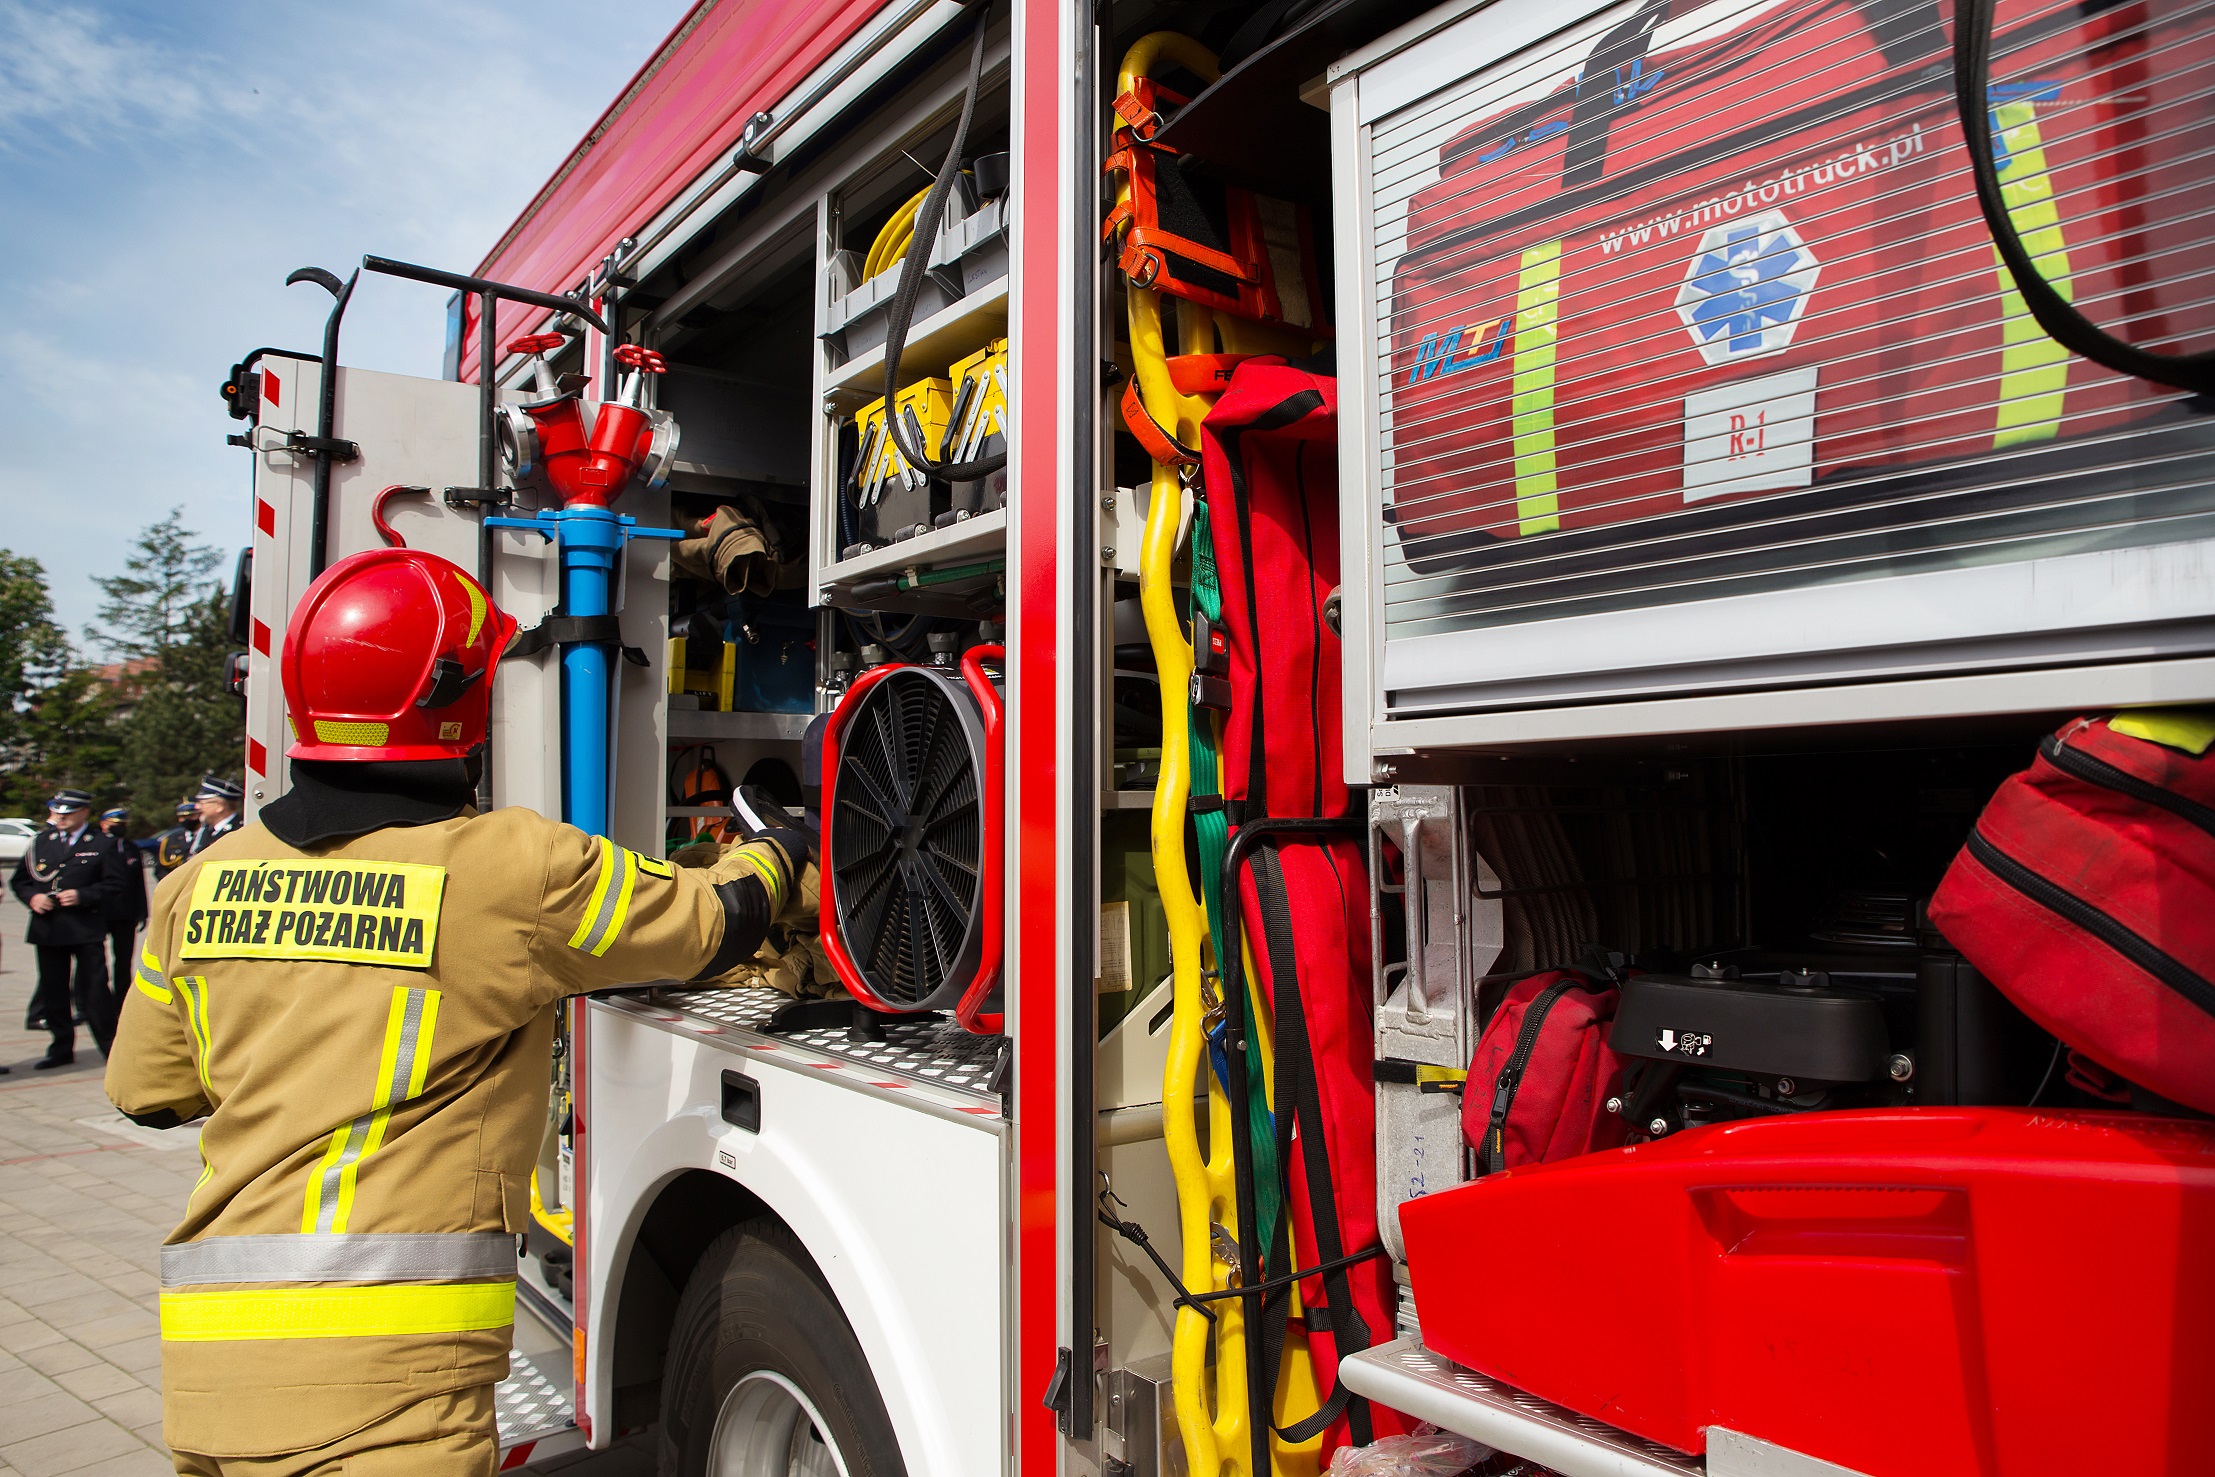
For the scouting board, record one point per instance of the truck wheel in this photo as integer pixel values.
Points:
(764, 1377)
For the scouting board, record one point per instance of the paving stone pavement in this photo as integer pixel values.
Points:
(85, 1200)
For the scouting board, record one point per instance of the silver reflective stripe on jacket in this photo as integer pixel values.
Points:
(353, 1256)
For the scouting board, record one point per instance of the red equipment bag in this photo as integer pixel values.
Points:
(1922, 1292)
(1712, 289)
(1539, 1083)
(2086, 893)
(1270, 451)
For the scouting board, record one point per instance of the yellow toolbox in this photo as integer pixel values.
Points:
(711, 683)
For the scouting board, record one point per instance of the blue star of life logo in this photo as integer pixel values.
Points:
(1747, 288)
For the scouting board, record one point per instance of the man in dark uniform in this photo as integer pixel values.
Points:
(126, 911)
(174, 845)
(218, 803)
(66, 879)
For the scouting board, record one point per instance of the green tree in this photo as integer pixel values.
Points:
(33, 656)
(150, 609)
(182, 722)
(32, 647)
(174, 720)
(70, 732)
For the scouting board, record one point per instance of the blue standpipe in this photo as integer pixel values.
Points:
(590, 542)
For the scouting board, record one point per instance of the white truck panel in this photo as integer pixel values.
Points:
(412, 432)
(900, 1205)
(423, 433)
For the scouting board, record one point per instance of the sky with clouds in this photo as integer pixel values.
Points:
(164, 164)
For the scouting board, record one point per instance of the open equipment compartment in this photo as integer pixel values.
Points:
(1720, 531)
(1699, 376)
(887, 535)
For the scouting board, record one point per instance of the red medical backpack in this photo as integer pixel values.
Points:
(2086, 893)
(1540, 1080)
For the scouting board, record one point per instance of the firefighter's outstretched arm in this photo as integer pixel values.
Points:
(613, 917)
(153, 1078)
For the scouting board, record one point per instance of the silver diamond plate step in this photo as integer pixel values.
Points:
(1407, 1377)
(937, 1052)
(536, 1417)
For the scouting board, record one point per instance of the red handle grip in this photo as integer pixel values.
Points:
(377, 513)
(644, 360)
(969, 1010)
(537, 343)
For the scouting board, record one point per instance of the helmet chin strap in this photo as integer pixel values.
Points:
(449, 681)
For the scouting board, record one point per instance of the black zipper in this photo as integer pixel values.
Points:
(2163, 966)
(2097, 771)
(1511, 1075)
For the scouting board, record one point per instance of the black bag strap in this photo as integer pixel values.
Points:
(1299, 1098)
(2055, 314)
(574, 630)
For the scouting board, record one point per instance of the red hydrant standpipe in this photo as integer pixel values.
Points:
(592, 469)
(588, 470)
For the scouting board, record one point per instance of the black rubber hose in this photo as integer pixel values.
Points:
(912, 266)
(2055, 313)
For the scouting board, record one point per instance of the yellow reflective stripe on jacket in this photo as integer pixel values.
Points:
(411, 1024)
(1531, 426)
(611, 900)
(147, 975)
(336, 1312)
(763, 859)
(195, 990)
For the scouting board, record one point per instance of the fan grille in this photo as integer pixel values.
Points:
(907, 838)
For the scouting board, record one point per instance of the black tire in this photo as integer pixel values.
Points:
(755, 1312)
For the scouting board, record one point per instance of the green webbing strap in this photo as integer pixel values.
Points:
(1212, 826)
(1211, 830)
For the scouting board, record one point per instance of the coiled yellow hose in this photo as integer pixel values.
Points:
(891, 245)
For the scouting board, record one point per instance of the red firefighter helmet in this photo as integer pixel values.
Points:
(390, 655)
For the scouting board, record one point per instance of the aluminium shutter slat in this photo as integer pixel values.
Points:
(1941, 427)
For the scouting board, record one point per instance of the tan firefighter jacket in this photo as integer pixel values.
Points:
(368, 1029)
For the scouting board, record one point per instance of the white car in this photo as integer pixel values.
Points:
(15, 837)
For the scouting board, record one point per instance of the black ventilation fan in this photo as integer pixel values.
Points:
(910, 843)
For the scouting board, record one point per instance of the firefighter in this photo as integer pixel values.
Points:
(126, 910)
(217, 805)
(358, 993)
(172, 846)
(66, 879)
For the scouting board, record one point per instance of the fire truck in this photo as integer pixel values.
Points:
(1650, 471)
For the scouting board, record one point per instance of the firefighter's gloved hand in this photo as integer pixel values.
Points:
(757, 814)
(753, 879)
(774, 860)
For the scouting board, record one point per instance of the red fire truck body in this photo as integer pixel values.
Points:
(1716, 531)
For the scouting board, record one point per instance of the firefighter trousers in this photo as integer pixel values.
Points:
(453, 1435)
